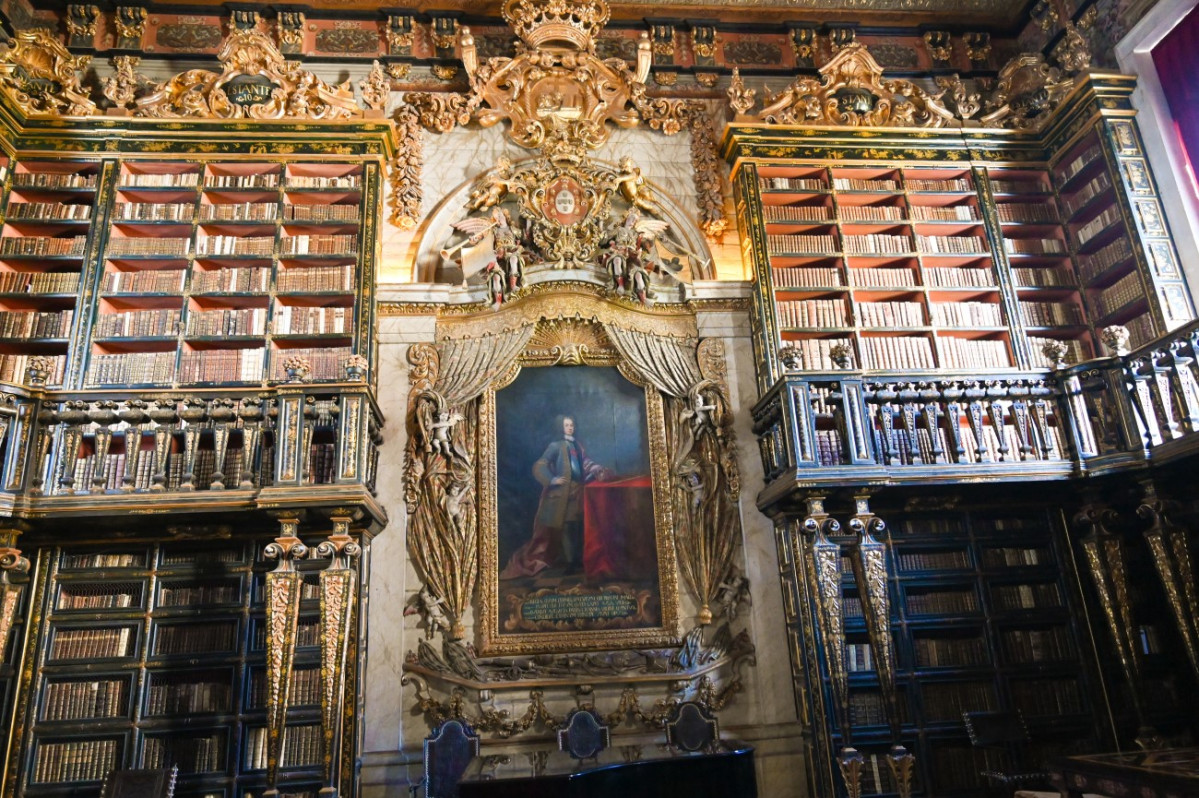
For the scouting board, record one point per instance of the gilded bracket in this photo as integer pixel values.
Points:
(823, 571)
(868, 556)
(283, 588)
(1171, 557)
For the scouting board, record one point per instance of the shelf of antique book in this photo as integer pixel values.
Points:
(884, 351)
(242, 179)
(779, 184)
(867, 180)
(893, 275)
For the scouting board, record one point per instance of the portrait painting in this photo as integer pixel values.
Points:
(579, 548)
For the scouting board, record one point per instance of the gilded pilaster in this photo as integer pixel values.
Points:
(283, 587)
(1172, 559)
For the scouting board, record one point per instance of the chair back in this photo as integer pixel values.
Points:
(691, 727)
(995, 728)
(140, 783)
(448, 750)
(584, 734)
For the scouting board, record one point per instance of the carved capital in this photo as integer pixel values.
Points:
(131, 24)
(803, 44)
(81, 24)
(291, 31)
(940, 46)
(399, 34)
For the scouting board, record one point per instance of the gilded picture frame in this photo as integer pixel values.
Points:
(497, 636)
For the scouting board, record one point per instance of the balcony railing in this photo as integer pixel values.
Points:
(288, 446)
(851, 427)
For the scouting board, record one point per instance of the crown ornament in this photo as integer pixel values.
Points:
(573, 24)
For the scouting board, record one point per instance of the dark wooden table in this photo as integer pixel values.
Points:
(642, 771)
(1171, 773)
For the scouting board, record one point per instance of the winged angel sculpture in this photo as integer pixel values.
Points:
(562, 211)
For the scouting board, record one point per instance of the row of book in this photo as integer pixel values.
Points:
(251, 246)
(53, 180)
(1093, 265)
(876, 243)
(793, 277)
(35, 324)
(313, 212)
(956, 184)
(792, 184)
(1076, 351)
(195, 638)
(191, 754)
(1034, 246)
(133, 368)
(933, 527)
(39, 282)
(1050, 314)
(74, 760)
(154, 211)
(951, 245)
(187, 694)
(326, 362)
(812, 313)
(324, 181)
(890, 314)
(792, 213)
(941, 602)
(1043, 278)
(787, 244)
(239, 212)
(1084, 159)
(304, 690)
(1018, 187)
(49, 211)
(1123, 292)
(346, 244)
(1026, 596)
(77, 561)
(1140, 329)
(882, 278)
(299, 320)
(1047, 697)
(867, 708)
(227, 322)
(829, 449)
(237, 280)
(946, 560)
(1105, 219)
(183, 594)
(149, 281)
(107, 698)
(302, 747)
(957, 277)
(1037, 645)
(1014, 556)
(308, 634)
(92, 642)
(966, 314)
(13, 368)
(154, 180)
(138, 323)
(950, 652)
(859, 184)
(43, 246)
(870, 213)
(222, 365)
(99, 596)
(147, 246)
(897, 352)
(859, 657)
(263, 180)
(964, 353)
(1026, 212)
(315, 279)
(943, 213)
(946, 701)
(1094, 187)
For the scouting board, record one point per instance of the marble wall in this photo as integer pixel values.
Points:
(764, 713)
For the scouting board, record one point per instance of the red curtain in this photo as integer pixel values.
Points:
(1177, 60)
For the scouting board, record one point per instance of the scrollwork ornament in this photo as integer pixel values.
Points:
(1027, 89)
(1072, 53)
(741, 99)
(283, 588)
(965, 104)
(42, 77)
(121, 87)
(375, 88)
(12, 564)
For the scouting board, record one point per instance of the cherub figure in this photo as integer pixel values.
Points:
(633, 188)
(440, 432)
(493, 188)
(701, 411)
(732, 593)
(430, 609)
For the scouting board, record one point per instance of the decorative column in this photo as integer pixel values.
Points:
(823, 572)
(338, 583)
(12, 564)
(1168, 544)
(283, 587)
(869, 558)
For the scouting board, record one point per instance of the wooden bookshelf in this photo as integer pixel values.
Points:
(154, 656)
(217, 272)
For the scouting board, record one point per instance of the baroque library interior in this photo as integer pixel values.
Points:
(536, 397)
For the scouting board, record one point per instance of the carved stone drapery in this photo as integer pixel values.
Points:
(42, 77)
(283, 588)
(440, 461)
(851, 92)
(255, 82)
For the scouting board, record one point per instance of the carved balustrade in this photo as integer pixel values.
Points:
(854, 427)
(271, 447)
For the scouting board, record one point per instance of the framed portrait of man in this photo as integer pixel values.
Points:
(576, 533)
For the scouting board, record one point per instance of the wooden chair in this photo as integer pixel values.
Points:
(691, 727)
(140, 783)
(583, 734)
(447, 752)
(1005, 734)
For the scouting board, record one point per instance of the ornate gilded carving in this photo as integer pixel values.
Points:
(283, 587)
(121, 88)
(1172, 558)
(869, 559)
(404, 175)
(803, 44)
(399, 34)
(130, 23)
(41, 77)
(706, 168)
(851, 91)
(570, 342)
(903, 770)
(1027, 90)
(440, 112)
(81, 23)
(1073, 52)
(12, 564)
(851, 762)
(337, 586)
(823, 571)
(291, 31)
(940, 46)
(255, 83)
(741, 99)
(978, 47)
(1116, 338)
(965, 105)
(375, 88)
